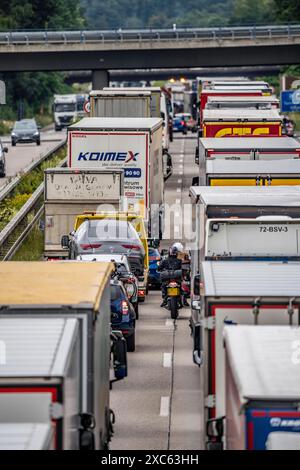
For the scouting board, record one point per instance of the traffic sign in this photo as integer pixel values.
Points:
(87, 106)
(290, 101)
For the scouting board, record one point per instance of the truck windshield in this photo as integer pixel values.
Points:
(65, 107)
(252, 240)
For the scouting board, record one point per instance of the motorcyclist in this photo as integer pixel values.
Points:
(171, 263)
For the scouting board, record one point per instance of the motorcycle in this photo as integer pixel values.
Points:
(173, 290)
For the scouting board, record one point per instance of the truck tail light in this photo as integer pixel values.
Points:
(88, 246)
(173, 284)
(125, 308)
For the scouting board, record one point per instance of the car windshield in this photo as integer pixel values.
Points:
(115, 292)
(65, 107)
(110, 230)
(25, 125)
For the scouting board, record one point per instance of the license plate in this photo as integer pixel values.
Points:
(173, 291)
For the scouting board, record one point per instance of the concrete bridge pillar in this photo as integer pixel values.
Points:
(100, 79)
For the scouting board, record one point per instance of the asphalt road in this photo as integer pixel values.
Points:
(159, 405)
(20, 156)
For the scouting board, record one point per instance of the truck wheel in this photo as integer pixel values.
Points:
(130, 341)
(57, 128)
(174, 307)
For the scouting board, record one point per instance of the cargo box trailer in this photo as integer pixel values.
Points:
(112, 103)
(262, 387)
(132, 145)
(69, 193)
(249, 148)
(247, 293)
(251, 173)
(241, 123)
(26, 436)
(252, 102)
(41, 379)
(243, 83)
(244, 223)
(70, 290)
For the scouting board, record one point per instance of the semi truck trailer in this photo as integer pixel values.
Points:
(112, 103)
(262, 388)
(251, 102)
(69, 193)
(77, 291)
(133, 146)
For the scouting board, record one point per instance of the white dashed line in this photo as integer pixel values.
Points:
(177, 214)
(164, 407)
(167, 360)
(178, 190)
(179, 181)
(177, 202)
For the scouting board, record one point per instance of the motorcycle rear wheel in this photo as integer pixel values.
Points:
(174, 307)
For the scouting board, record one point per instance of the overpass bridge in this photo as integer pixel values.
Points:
(101, 51)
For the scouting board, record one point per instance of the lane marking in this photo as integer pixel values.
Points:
(164, 407)
(177, 214)
(169, 322)
(167, 360)
(178, 190)
(179, 181)
(177, 202)
(181, 172)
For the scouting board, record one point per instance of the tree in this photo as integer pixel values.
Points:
(287, 11)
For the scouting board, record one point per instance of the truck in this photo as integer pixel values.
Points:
(251, 173)
(252, 102)
(65, 110)
(114, 103)
(76, 291)
(248, 148)
(68, 193)
(237, 83)
(26, 436)
(244, 223)
(132, 145)
(241, 123)
(262, 388)
(233, 293)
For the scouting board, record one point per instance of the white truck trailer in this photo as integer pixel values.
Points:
(112, 103)
(253, 102)
(26, 436)
(248, 148)
(262, 388)
(246, 293)
(76, 291)
(132, 145)
(69, 193)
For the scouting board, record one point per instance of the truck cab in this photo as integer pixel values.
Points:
(65, 110)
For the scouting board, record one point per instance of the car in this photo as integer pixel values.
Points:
(122, 313)
(191, 123)
(25, 131)
(110, 237)
(179, 124)
(123, 272)
(3, 151)
(154, 260)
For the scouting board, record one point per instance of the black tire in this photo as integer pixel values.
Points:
(174, 307)
(136, 309)
(130, 341)
(38, 142)
(13, 143)
(57, 128)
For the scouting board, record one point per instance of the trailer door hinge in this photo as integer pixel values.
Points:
(210, 401)
(56, 410)
(209, 323)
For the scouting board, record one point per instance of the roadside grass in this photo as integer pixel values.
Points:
(33, 247)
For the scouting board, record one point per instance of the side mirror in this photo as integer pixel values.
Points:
(119, 352)
(196, 285)
(5, 149)
(215, 428)
(195, 181)
(65, 242)
(162, 115)
(164, 252)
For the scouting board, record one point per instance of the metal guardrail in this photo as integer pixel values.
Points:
(8, 188)
(145, 35)
(16, 231)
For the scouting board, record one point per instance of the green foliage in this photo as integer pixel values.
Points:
(287, 10)
(252, 12)
(33, 247)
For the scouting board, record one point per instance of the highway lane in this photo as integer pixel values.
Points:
(22, 155)
(159, 405)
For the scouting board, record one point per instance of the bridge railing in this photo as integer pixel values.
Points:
(145, 35)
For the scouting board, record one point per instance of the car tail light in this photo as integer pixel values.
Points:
(88, 246)
(131, 247)
(173, 284)
(141, 293)
(125, 308)
(183, 123)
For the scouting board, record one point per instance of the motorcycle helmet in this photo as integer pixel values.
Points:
(179, 247)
